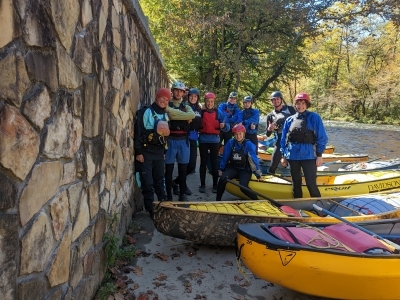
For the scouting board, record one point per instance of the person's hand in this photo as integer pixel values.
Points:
(221, 125)
(219, 173)
(284, 162)
(271, 126)
(318, 162)
(140, 158)
(252, 126)
(190, 121)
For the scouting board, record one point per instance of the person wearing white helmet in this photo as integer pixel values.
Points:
(180, 115)
(231, 111)
(303, 141)
(250, 118)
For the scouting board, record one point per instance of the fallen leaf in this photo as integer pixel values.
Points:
(228, 263)
(179, 268)
(161, 277)
(131, 240)
(158, 284)
(118, 297)
(188, 287)
(126, 270)
(120, 283)
(142, 232)
(130, 297)
(163, 257)
(212, 267)
(175, 255)
(134, 286)
(138, 271)
(143, 297)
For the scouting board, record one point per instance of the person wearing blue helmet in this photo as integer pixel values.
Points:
(230, 110)
(275, 120)
(250, 118)
(193, 102)
(180, 115)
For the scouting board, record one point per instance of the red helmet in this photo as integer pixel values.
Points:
(302, 96)
(239, 128)
(209, 95)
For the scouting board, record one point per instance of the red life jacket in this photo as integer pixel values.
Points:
(209, 122)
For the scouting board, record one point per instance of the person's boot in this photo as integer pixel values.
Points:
(175, 188)
(202, 189)
(188, 192)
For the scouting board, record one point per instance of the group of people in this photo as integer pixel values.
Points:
(173, 127)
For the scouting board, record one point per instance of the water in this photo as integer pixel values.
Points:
(378, 141)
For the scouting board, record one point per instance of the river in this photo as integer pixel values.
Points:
(378, 141)
(375, 140)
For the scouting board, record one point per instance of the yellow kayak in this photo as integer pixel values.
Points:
(326, 157)
(337, 261)
(329, 185)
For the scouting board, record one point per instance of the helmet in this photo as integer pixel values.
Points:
(238, 128)
(276, 94)
(178, 86)
(247, 99)
(194, 91)
(233, 95)
(163, 92)
(209, 95)
(302, 96)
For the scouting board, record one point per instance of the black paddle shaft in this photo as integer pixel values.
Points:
(254, 192)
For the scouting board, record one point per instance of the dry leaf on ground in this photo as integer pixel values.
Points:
(138, 271)
(162, 256)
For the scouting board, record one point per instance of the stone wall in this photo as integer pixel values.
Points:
(72, 74)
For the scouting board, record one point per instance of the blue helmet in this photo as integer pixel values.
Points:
(194, 91)
(178, 85)
(276, 94)
(247, 99)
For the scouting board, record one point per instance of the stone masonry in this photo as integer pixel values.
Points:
(72, 75)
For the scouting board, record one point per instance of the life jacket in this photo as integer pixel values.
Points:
(160, 132)
(238, 158)
(247, 114)
(299, 133)
(209, 122)
(279, 118)
(230, 109)
(179, 127)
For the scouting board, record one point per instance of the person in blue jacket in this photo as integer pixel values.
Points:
(194, 103)
(303, 141)
(250, 118)
(231, 111)
(239, 160)
(212, 124)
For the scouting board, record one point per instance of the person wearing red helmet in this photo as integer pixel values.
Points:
(303, 141)
(239, 160)
(150, 139)
(275, 120)
(212, 124)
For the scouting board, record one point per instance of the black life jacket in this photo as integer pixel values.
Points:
(179, 127)
(279, 118)
(150, 136)
(299, 133)
(196, 122)
(209, 122)
(247, 114)
(238, 158)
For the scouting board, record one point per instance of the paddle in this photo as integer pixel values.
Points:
(346, 207)
(365, 162)
(289, 211)
(395, 248)
(254, 192)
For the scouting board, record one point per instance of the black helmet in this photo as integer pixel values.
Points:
(276, 94)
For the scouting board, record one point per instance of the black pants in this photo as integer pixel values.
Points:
(252, 137)
(244, 178)
(310, 175)
(204, 156)
(225, 137)
(276, 155)
(152, 178)
(192, 160)
(169, 169)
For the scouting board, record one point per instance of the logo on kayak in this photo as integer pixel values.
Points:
(338, 188)
(286, 256)
(383, 186)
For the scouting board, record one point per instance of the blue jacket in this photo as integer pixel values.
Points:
(254, 118)
(214, 138)
(230, 111)
(249, 150)
(300, 151)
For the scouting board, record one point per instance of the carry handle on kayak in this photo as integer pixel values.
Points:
(393, 246)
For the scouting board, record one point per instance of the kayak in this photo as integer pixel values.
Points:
(215, 223)
(336, 261)
(329, 185)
